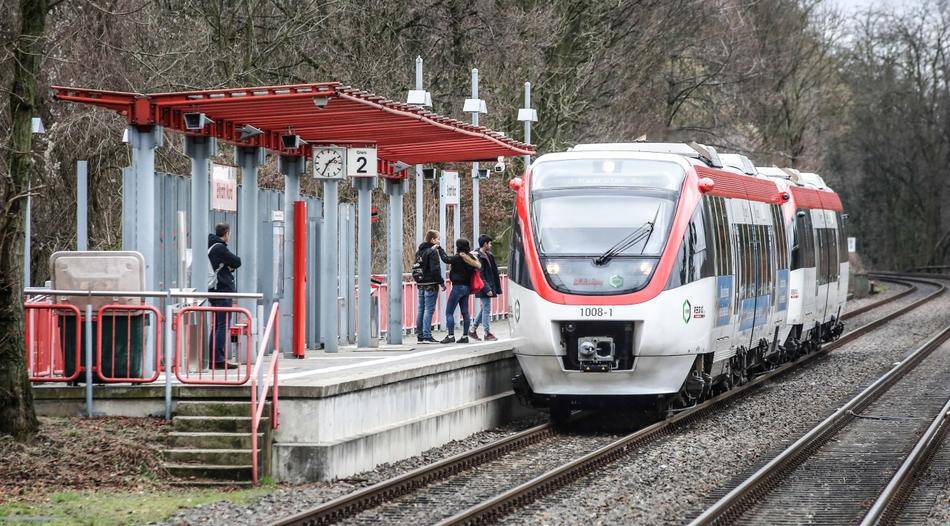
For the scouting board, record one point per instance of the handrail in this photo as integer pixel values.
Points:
(32, 291)
(259, 384)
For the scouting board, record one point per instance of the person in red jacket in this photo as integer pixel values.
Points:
(463, 265)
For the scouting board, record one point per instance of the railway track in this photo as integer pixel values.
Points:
(830, 474)
(409, 490)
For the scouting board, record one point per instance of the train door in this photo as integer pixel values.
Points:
(746, 268)
(762, 275)
(717, 224)
(780, 288)
(822, 271)
(831, 247)
(806, 245)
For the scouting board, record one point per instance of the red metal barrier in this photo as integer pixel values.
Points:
(127, 327)
(410, 303)
(45, 336)
(299, 346)
(258, 401)
(196, 338)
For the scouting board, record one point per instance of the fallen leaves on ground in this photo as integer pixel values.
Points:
(83, 453)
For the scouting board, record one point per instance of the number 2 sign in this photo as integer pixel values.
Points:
(361, 162)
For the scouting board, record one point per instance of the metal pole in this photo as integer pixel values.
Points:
(143, 144)
(88, 359)
(364, 187)
(249, 159)
(395, 188)
(169, 358)
(182, 223)
(28, 232)
(420, 203)
(527, 123)
(349, 293)
(292, 168)
(476, 216)
(199, 149)
(329, 266)
(82, 204)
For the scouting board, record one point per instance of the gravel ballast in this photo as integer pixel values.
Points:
(291, 499)
(655, 481)
(675, 478)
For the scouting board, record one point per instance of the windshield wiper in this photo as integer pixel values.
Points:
(643, 231)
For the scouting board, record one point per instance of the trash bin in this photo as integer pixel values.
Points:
(123, 339)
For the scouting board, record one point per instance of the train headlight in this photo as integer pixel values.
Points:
(552, 268)
(646, 268)
(608, 167)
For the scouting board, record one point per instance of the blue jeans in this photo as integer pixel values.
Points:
(458, 297)
(219, 338)
(483, 315)
(427, 298)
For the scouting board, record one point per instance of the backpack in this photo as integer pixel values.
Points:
(477, 284)
(213, 274)
(419, 266)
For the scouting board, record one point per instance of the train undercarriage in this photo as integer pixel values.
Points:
(706, 379)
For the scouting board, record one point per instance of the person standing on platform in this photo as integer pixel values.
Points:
(463, 266)
(223, 264)
(427, 273)
(491, 288)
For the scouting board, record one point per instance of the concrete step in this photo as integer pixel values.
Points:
(216, 408)
(208, 471)
(220, 424)
(220, 484)
(217, 457)
(211, 440)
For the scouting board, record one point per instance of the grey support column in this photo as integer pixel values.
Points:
(420, 203)
(143, 142)
(395, 188)
(364, 187)
(249, 159)
(199, 149)
(82, 206)
(291, 167)
(329, 267)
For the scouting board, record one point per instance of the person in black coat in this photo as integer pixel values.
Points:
(428, 255)
(492, 288)
(463, 265)
(223, 264)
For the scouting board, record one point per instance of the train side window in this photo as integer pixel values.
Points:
(723, 233)
(517, 265)
(842, 239)
(807, 241)
(701, 265)
(709, 232)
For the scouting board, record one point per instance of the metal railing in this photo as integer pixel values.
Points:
(49, 335)
(259, 384)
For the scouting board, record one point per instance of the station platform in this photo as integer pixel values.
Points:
(347, 412)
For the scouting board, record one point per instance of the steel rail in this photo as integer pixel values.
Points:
(892, 498)
(911, 288)
(372, 496)
(743, 496)
(498, 506)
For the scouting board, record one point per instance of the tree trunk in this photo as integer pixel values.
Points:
(17, 417)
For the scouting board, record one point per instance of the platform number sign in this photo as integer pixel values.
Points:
(361, 162)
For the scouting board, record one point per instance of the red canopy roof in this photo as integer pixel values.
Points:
(321, 114)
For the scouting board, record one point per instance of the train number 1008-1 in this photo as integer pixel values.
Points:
(596, 312)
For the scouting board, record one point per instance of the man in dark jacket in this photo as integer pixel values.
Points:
(492, 288)
(429, 286)
(223, 264)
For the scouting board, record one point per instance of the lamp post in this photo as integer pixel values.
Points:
(38, 129)
(527, 115)
(474, 106)
(419, 97)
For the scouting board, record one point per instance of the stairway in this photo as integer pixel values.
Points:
(210, 443)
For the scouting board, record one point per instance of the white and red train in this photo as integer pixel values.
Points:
(653, 275)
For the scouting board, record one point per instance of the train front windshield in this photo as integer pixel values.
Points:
(601, 224)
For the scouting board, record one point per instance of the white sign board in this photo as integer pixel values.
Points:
(223, 187)
(451, 184)
(361, 162)
(852, 245)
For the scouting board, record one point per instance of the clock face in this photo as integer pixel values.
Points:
(328, 163)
